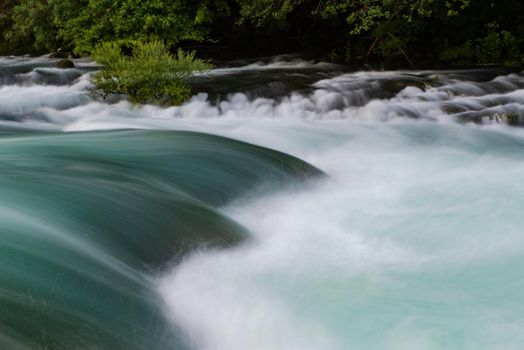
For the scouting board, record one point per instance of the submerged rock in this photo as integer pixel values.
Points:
(65, 63)
(502, 118)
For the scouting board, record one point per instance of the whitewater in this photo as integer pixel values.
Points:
(355, 210)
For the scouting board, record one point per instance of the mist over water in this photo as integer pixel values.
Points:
(413, 240)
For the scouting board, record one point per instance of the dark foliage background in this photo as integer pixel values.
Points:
(391, 33)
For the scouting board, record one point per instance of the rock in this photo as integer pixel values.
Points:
(61, 53)
(505, 118)
(65, 63)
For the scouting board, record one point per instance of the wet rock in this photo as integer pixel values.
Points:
(60, 53)
(65, 63)
(504, 118)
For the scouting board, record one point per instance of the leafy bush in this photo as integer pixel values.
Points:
(462, 55)
(496, 47)
(151, 74)
(32, 26)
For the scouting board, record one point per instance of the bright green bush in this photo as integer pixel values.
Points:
(151, 74)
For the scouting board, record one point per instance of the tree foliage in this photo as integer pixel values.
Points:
(448, 32)
(468, 31)
(105, 20)
(6, 8)
(81, 25)
(29, 25)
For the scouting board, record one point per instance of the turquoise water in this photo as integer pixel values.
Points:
(414, 242)
(204, 226)
(88, 220)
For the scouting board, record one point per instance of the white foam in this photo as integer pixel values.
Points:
(392, 245)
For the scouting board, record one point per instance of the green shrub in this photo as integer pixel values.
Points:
(151, 74)
(496, 47)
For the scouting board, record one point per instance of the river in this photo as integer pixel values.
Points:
(288, 205)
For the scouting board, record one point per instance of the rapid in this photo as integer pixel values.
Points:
(288, 205)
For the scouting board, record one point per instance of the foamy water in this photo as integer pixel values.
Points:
(414, 241)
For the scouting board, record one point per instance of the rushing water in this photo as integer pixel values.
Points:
(204, 227)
